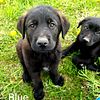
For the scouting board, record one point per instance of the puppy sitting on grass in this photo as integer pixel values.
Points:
(40, 46)
(87, 43)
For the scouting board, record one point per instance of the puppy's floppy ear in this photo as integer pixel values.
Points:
(65, 25)
(83, 21)
(21, 24)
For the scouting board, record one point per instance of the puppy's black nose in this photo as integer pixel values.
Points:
(42, 42)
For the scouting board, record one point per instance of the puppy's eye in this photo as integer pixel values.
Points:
(52, 25)
(33, 25)
(86, 28)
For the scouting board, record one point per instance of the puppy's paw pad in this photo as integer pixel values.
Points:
(38, 95)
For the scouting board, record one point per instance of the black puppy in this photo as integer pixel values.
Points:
(88, 44)
(40, 46)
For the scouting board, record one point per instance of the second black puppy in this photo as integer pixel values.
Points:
(88, 44)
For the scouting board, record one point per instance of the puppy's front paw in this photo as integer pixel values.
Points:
(26, 78)
(38, 94)
(59, 81)
(93, 68)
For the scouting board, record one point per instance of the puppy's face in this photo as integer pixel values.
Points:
(42, 26)
(90, 31)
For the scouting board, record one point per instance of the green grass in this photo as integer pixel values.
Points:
(79, 85)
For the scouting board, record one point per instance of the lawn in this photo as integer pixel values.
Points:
(79, 85)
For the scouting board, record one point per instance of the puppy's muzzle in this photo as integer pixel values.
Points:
(42, 42)
(87, 38)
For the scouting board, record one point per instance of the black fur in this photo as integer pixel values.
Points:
(88, 43)
(40, 47)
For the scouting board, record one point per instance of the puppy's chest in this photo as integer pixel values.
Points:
(91, 51)
(46, 59)
(46, 63)
(45, 66)
(85, 50)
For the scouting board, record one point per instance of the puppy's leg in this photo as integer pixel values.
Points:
(34, 69)
(77, 61)
(88, 62)
(26, 77)
(54, 75)
(38, 86)
(72, 48)
(36, 81)
(80, 61)
(93, 67)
